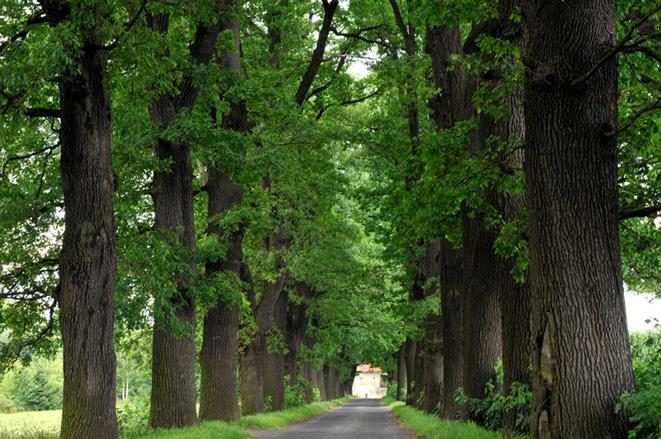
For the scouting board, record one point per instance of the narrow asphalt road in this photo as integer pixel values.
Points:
(357, 419)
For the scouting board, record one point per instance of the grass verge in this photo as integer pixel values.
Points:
(239, 430)
(273, 420)
(46, 424)
(432, 427)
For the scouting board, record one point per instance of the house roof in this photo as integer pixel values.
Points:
(368, 368)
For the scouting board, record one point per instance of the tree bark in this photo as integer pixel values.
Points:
(250, 374)
(449, 107)
(173, 393)
(88, 258)
(453, 328)
(410, 353)
(219, 354)
(432, 344)
(401, 373)
(273, 363)
(581, 357)
(297, 323)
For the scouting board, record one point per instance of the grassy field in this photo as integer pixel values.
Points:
(46, 424)
(432, 427)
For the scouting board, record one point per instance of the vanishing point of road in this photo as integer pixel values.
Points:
(357, 419)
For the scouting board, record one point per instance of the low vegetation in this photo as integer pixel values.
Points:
(46, 424)
(432, 427)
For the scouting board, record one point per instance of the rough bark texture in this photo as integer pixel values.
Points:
(88, 256)
(453, 328)
(251, 360)
(297, 323)
(273, 366)
(219, 354)
(410, 353)
(173, 361)
(581, 356)
(448, 107)
(250, 382)
(401, 373)
(432, 344)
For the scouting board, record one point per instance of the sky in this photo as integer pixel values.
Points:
(641, 307)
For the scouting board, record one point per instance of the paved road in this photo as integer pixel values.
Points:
(357, 419)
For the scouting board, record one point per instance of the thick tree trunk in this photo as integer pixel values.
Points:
(297, 323)
(251, 361)
(309, 380)
(401, 373)
(320, 382)
(173, 359)
(88, 257)
(448, 107)
(481, 306)
(250, 374)
(432, 344)
(581, 357)
(453, 328)
(410, 353)
(219, 354)
(332, 382)
(173, 393)
(273, 363)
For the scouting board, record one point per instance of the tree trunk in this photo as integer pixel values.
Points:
(309, 381)
(581, 357)
(432, 344)
(250, 374)
(320, 382)
(401, 373)
(481, 306)
(447, 108)
(273, 363)
(410, 369)
(297, 323)
(173, 393)
(219, 354)
(88, 257)
(453, 328)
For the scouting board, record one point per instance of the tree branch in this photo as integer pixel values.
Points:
(615, 50)
(43, 112)
(318, 53)
(127, 27)
(36, 18)
(345, 103)
(633, 118)
(27, 156)
(638, 213)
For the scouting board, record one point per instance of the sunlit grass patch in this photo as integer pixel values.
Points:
(281, 419)
(432, 427)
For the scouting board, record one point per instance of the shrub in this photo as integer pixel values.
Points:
(489, 410)
(7, 405)
(644, 405)
(31, 390)
(133, 417)
(294, 395)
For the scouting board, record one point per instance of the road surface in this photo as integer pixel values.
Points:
(357, 419)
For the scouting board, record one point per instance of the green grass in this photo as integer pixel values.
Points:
(205, 430)
(46, 424)
(30, 425)
(281, 419)
(432, 427)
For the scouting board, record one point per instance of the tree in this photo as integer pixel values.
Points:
(571, 176)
